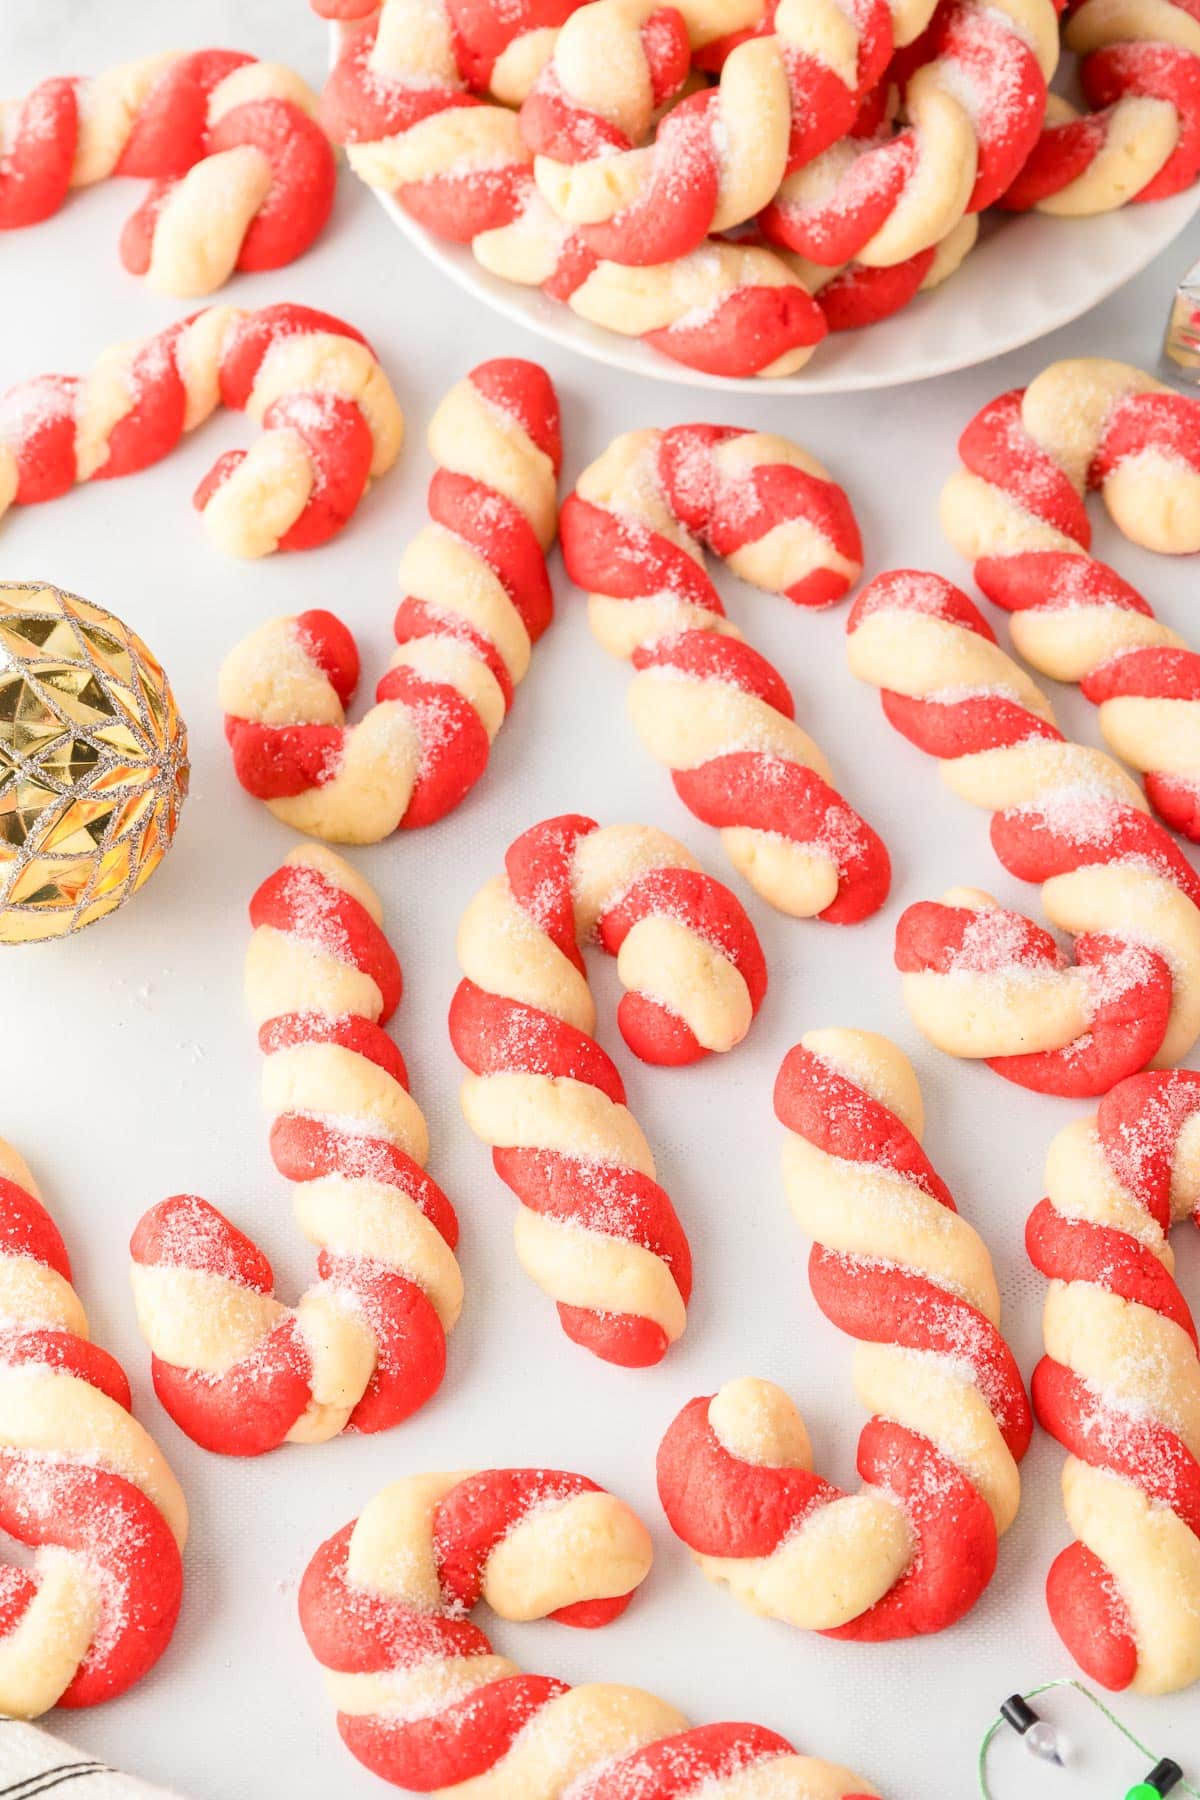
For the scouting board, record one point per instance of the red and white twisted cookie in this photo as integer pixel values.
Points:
(981, 981)
(1119, 1385)
(895, 1267)
(477, 598)
(413, 100)
(974, 93)
(594, 1228)
(1016, 509)
(791, 80)
(330, 422)
(238, 1370)
(423, 1700)
(243, 175)
(82, 1486)
(1140, 73)
(703, 702)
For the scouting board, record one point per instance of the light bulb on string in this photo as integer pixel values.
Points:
(1037, 1734)
(1163, 1777)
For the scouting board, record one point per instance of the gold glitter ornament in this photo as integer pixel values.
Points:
(93, 762)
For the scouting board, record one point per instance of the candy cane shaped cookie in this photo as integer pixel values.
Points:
(477, 597)
(330, 422)
(895, 1266)
(1016, 510)
(82, 1485)
(422, 1699)
(702, 700)
(974, 99)
(594, 1229)
(1140, 72)
(243, 175)
(238, 1370)
(1119, 1385)
(412, 99)
(982, 981)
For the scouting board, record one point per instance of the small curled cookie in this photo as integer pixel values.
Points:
(423, 1700)
(594, 1229)
(365, 1346)
(981, 980)
(895, 1267)
(974, 97)
(1016, 509)
(82, 1486)
(243, 175)
(477, 598)
(1031, 456)
(330, 422)
(706, 704)
(1139, 70)
(1119, 1385)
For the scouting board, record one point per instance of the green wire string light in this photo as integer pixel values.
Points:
(1165, 1777)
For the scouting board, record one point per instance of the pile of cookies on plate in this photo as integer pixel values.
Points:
(730, 180)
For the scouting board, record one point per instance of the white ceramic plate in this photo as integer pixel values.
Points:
(1028, 275)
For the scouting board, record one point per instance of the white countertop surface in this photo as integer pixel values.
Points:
(128, 1070)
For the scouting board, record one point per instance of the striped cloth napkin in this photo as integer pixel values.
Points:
(33, 1763)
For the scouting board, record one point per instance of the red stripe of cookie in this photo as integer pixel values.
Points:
(303, 1149)
(765, 793)
(675, 1767)
(452, 1746)
(627, 561)
(996, 447)
(26, 1229)
(66, 1354)
(539, 869)
(304, 903)
(502, 537)
(524, 391)
(721, 1506)
(1054, 581)
(709, 655)
(1091, 1618)
(1067, 1249)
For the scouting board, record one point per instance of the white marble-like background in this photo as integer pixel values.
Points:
(128, 1071)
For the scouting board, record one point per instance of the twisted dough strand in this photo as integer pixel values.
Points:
(896, 1267)
(1016, 509)
(238, 1370)
(412, 102)
(1119, 1385)
(330, 422)
(702, 700)
(243, 175)
(1140, 69)
(424, 1702)
(477, 599)
(594, 1229)
(981, 981)
(81, 1484)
